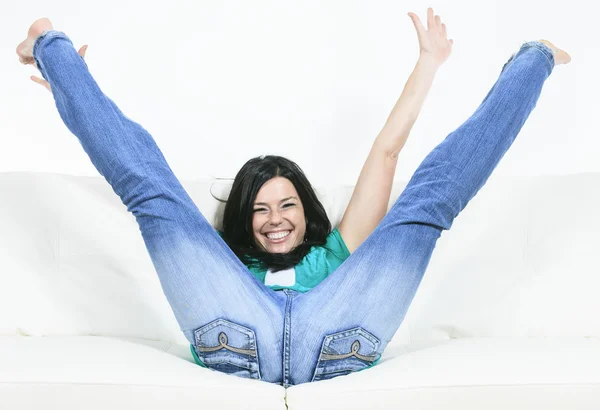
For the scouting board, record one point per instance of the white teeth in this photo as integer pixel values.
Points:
(278, 235)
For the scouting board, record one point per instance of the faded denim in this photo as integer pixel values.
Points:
(236, 324)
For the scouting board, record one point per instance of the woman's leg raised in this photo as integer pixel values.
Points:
(233, 320)
(345, 322)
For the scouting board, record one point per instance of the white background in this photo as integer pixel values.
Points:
(218, 82)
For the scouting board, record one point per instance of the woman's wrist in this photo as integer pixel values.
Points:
(428, 61)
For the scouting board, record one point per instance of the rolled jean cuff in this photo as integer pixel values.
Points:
(42, 40)
(547, 51)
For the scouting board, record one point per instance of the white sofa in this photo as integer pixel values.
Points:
(507, 316)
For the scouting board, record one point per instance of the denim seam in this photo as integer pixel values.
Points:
(286, 339)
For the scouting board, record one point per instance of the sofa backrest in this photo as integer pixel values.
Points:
(520, 260)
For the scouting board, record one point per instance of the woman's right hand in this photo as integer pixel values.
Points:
(45, 83)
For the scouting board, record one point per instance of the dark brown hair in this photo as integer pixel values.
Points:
(237, 218)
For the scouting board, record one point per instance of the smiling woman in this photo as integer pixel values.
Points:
(273, 217)
(275, 224)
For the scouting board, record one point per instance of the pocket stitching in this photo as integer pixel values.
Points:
(222, 337)
(345, 334)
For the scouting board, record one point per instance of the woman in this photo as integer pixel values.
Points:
(263, 323)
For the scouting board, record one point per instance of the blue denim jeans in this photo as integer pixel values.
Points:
(235, 323)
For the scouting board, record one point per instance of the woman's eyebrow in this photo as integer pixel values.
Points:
(283, 200)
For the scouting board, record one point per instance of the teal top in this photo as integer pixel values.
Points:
(312, 269)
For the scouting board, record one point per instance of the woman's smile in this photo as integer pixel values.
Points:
(278, 237)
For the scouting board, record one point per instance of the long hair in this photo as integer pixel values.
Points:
(237, 217)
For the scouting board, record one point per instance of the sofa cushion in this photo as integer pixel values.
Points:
(64, 372)
(465, 374)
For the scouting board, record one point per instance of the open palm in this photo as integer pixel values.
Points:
(433, 41)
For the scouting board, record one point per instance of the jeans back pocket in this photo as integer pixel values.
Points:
(229, 348)
(346, 352)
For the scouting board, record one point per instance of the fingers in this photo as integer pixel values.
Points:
(433, 22)
(418, 25)
(82, 51)
(430, 19)
(37, 79)
(41, 81)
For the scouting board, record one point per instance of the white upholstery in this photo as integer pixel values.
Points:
(508, 314)
(469, 373)
(89, 372)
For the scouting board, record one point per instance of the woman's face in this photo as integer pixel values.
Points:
(278, 220)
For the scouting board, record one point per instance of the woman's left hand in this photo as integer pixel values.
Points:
(433, 42)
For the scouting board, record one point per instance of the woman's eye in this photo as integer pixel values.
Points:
(265, 209)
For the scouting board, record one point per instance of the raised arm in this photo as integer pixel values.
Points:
(368, 204)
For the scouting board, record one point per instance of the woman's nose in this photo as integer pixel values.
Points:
(275, 218)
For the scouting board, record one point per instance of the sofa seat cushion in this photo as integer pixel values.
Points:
(67, 371)
(469, 373)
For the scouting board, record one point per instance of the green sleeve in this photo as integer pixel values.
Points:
(336, 245)
(336, 251)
